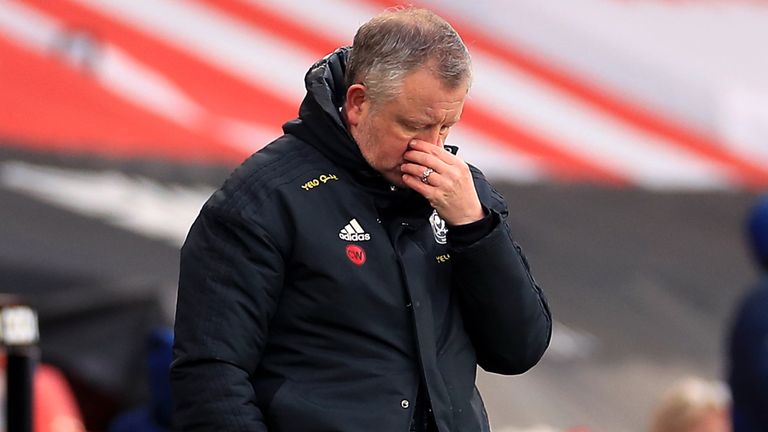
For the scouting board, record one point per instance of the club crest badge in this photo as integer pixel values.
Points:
(439, 228)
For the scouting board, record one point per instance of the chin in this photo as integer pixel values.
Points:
(396, 179)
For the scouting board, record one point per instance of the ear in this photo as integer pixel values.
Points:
(357, 104)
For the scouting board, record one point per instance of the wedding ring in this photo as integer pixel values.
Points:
(425, 175)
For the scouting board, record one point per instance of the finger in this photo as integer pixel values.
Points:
(417, 185)
(426, 160)
(436, 150)
(415, 170)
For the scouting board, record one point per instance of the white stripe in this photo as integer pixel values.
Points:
(743, 122)
(142, 86)
(248, 53)
(140, 205)
(26, 27)
(357, 226)
(349, 229)
(570, 344)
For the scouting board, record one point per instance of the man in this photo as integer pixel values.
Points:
(351, 275)
(748, 343)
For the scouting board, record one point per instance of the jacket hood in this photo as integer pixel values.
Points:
(321, 125)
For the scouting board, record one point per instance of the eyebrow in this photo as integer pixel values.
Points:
(413, 120)
(417, 119)
(426, 120)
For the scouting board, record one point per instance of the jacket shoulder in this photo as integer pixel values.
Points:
(259, 178)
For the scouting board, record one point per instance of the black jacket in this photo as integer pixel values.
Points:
(748, 361)
(314, 298)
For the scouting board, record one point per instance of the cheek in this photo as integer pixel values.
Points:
(386, 146)
(392, 143)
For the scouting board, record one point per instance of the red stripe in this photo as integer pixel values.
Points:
(207, 84)
(749, 173)
(50, 106)
(560, 163)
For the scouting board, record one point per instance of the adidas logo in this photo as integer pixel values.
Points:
(354, 232)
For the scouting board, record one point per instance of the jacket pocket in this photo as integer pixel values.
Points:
(351, 406)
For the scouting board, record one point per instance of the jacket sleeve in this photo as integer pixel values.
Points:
(504, 310)
(230, 277)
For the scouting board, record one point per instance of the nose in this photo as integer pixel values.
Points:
(431, 135)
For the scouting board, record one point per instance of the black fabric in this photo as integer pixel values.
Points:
(465, 235)
(422, 414)
(748, 361)
(286, 321)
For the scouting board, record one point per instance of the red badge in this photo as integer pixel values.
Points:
(356, 254)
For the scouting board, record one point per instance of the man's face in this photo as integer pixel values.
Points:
(425, 109)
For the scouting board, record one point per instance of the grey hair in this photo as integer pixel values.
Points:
(396, 42)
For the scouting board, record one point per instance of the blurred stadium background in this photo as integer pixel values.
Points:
(629, 137)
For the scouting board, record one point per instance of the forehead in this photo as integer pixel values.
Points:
(424, 96)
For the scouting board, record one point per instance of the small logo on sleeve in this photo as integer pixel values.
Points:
(315, 182)
(356, 254)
